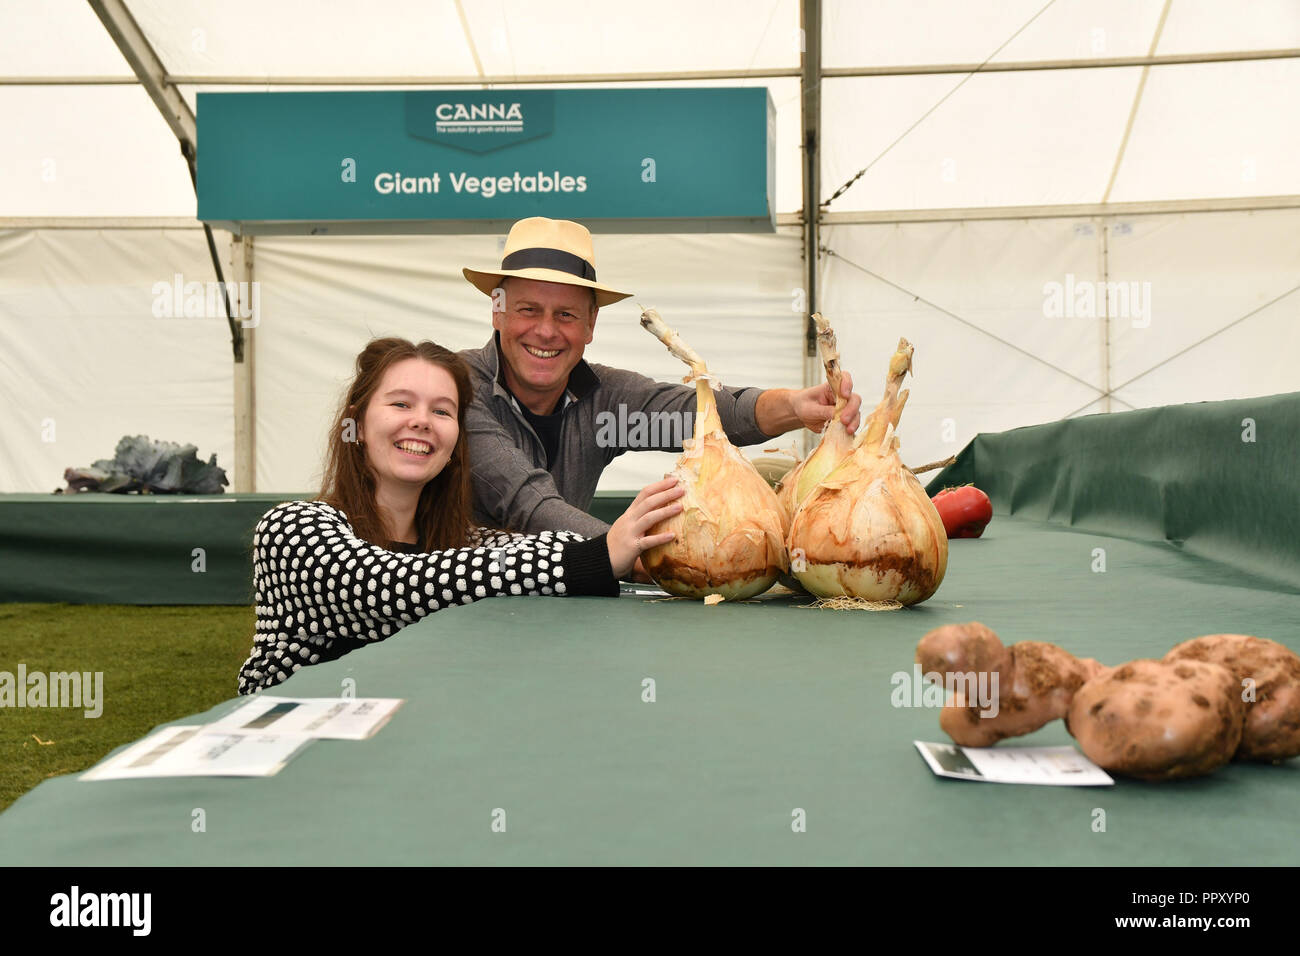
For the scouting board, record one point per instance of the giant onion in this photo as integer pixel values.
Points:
(865, 527)
(730, 533)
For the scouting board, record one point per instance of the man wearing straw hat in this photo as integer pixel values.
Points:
(533, 427)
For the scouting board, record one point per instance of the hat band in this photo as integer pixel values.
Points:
(557, 259)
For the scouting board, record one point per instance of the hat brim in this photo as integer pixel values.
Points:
(485, 282)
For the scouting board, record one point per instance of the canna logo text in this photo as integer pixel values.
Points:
(479, 122)
(478, 118)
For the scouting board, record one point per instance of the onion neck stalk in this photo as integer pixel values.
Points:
(730, 536)
(886, 415)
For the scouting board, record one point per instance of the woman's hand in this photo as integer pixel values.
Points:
(626, 539)
(639, 575)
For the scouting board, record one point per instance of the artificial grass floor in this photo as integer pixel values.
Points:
(158, 663)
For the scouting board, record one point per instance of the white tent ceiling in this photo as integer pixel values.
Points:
(1028, 137)
(1180, 174)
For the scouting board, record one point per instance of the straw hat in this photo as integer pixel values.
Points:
(548, 250)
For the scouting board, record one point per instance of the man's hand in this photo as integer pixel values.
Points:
(781, 409)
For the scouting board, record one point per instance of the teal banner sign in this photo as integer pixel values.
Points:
(639, 160)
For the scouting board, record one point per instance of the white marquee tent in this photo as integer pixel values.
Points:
(1009, 157)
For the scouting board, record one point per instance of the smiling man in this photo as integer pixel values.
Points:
(534, 426)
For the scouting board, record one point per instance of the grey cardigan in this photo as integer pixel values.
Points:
(512, 487)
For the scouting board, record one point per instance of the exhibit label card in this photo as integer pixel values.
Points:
(338, 718)
(1052, 766)
(201, 752)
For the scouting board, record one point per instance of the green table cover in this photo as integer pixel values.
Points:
(1217, 479)
(534, 706)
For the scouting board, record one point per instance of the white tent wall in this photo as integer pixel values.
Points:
(1216, 130)
(892, 33)
(1201, 131)
(261, 39)
(85, 360)
(89, 151)
(1004, 139)
(79, 338)
(732, 297)
(992, 351)
(79, 344)
(1232, 275)
(990, 276)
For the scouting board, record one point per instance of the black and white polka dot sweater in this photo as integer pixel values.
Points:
(321, 591)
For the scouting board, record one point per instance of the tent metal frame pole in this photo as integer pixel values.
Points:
(810, 22)
(152, 75)
(99, 222)
(1103, 240)
(886, 216)
(838, 72)
(148, 68)
(245, 404)
(1065, 211)
(1095, 63)
(810, 97)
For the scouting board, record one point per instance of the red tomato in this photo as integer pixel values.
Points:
(965, 511)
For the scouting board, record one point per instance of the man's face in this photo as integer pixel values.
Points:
(544, 328)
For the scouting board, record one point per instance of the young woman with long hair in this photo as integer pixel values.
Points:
(390, 537)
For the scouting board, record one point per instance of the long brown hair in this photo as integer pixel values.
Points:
(442, 515)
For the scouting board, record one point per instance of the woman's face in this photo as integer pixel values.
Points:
(409, 427)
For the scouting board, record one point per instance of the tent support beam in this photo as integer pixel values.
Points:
(1090, 63)
(152, 75)
(1103, 238)
(1170, 207)
(927, 69)
(1064, 211)
(921, 69)
(148, 68)
(98, 222)
(810, 95)
(241, 277)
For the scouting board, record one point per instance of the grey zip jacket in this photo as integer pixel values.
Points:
(512, 487)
